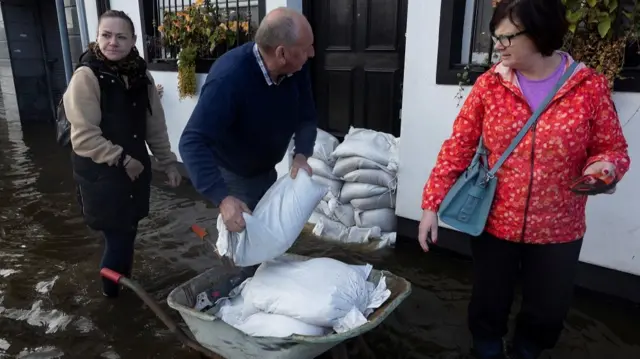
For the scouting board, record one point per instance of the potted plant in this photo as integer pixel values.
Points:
(199, 32)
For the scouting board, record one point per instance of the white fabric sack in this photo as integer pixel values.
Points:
(387, 200)
(377, 146)
(335, 186)
(331, 229)
(334, 230)
(377, 177)
(320, 168)
(353, 190)
(343, 213)
(324, 147)
(345, 165)
(262, 324)
(275, 224)
(319, 291)
(385, 218)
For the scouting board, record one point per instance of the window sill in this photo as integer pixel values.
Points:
(630, 83)
(202, 65)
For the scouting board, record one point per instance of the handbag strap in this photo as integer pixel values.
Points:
(532, 120)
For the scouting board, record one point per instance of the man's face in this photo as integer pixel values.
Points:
(294, 57)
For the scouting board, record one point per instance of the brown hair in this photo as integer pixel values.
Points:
(117, 14)
(544, 21)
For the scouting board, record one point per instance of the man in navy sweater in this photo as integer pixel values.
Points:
(255, 98)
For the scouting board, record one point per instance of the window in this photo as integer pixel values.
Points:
(102, 6)
(162, 56)
(464, 40)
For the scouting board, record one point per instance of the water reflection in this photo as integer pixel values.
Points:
(51, 307)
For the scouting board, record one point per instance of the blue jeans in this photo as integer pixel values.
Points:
(117, 256)
(248, 189)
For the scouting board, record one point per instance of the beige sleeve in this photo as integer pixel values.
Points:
(157, 136)
(82, 107)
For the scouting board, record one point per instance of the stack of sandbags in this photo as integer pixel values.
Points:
(367, 162)
(321, 163)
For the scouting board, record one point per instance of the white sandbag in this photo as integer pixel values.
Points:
(343, 213)
(385, 218)
(377, 177)
(345, 165)
(336, 231)
(330, 229)
(363, 235)
(324, 147)
(353, 190)
(335, 186)
(275, 223)
(377, 146)
(387, 200)
(262, 324)
(320, 168)
(319, 291)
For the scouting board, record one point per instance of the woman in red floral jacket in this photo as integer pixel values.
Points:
(536, 224)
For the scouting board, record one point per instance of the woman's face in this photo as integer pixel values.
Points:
(513, 45)
(115, 38)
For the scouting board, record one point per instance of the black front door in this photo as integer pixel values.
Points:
(358, 68)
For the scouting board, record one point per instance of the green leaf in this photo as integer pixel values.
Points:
(575, 17)
(572, 28)
(592, 3)
(603, 27)
(628, 15)
(613, 5)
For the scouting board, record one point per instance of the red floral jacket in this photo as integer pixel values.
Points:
(533, 203)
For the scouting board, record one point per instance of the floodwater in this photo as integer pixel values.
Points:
(51, 306)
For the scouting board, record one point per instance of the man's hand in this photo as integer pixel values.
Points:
(231, 210)
(300, 162)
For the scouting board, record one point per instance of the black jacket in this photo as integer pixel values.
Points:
(109, 199)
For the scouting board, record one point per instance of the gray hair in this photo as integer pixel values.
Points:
(277, 31)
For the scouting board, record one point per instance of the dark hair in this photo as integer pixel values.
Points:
(117, 14)
(543, 20)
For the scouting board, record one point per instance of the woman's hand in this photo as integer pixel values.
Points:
(175, 178)
(133, 167)
(605, 167)
(428, 225)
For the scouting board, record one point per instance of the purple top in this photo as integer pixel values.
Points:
(536, 90)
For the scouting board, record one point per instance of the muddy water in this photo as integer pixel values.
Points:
(51, 307)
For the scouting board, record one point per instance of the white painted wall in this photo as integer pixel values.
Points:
(428, 111)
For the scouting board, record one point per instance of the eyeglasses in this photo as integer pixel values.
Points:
(505, 40)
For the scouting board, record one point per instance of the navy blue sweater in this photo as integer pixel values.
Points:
(244, 125)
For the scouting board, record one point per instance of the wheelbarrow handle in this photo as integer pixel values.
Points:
(159, 312)
(111, 275)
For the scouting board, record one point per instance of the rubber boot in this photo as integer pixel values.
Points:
(488, 349)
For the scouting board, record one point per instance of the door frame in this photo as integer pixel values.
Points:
(307, 11)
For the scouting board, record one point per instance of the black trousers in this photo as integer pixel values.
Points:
(117, 256)
(547, 273)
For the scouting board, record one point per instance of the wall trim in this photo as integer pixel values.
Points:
(590, 277)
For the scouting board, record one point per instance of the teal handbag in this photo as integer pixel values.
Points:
(467, 204)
